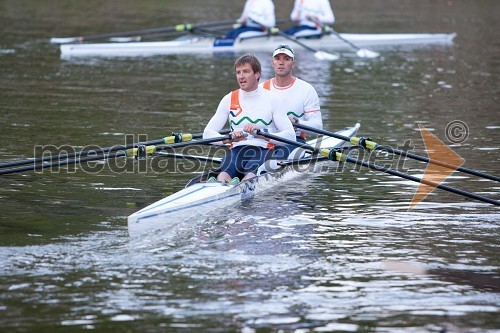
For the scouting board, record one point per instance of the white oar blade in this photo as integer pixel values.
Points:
(326, 56)
(364, 53)
(64, 40)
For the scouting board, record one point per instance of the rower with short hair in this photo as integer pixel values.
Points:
(300, 97)
(247, 109)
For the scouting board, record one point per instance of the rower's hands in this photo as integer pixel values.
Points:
(249, 128)
(313, 18)
(238, 136)
(242, 20)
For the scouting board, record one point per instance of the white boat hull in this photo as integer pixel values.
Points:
(193, 44)
(201, 198)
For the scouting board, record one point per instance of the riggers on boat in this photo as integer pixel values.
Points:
(199, 44)
(199, 197)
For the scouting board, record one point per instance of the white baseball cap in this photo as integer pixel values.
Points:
(285, 49)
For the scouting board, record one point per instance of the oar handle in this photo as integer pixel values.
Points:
(287, 141)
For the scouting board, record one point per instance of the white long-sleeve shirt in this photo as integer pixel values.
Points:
(260, 108)
(313, 8)
(261, 11)
(301, 102)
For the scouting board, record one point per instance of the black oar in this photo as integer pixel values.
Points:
(336, 155)
(318, 54)
(178, 28)
(190, 157)
(46, 165)
(366, 143)
(214, 32)
(123, 152)
(362, 53)
(321, 55)
(156, 36)
(174, 138)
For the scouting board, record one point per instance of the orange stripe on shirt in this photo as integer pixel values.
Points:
(267, 84)
(235, 103)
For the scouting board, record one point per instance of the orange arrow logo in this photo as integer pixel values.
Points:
(439, 152)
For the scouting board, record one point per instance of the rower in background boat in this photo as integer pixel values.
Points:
(247, 109)
(310, 17)
(261, 11)
(300, 97)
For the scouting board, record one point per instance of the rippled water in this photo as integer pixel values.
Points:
(310, 255)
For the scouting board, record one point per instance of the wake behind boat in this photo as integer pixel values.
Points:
(204, 45)
(201, 198)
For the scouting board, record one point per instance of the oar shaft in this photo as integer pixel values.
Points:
(393, 172)
(295, 40)
(96, 151)
(60, 163)
(122, 152)
(321, 131)
(363, 53)
(190, 157)
(213, 32)
(339, 36)
(202, 142)
(179, 27)
(76, 154)
(403, 153)
(318, 54)
(376, 167)
(443, 164)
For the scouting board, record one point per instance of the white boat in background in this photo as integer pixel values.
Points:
(199, 45)
(201, 198)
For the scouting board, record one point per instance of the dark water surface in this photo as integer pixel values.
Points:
(309, 256)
